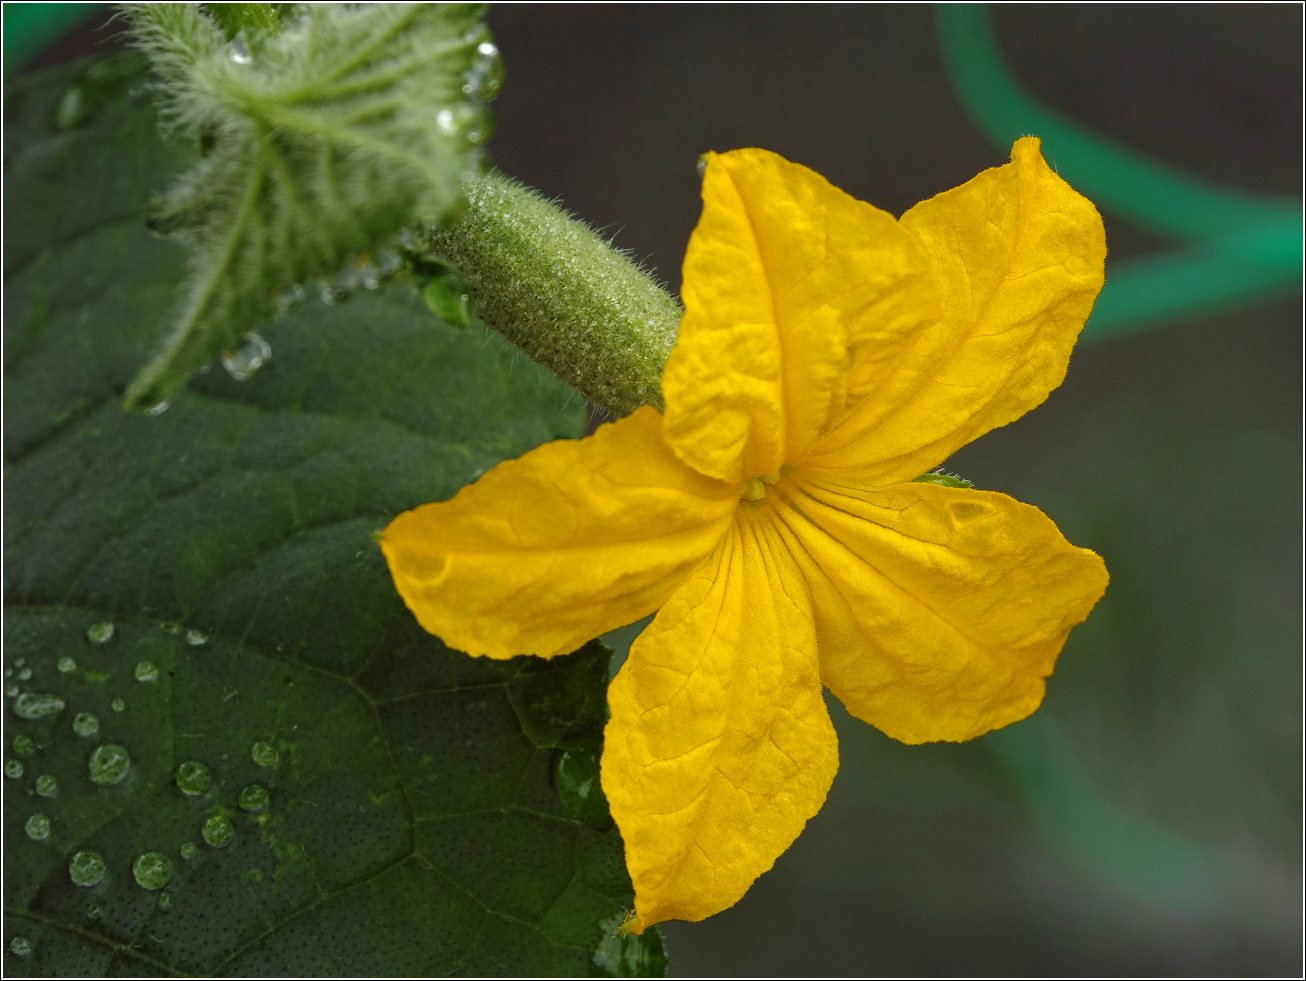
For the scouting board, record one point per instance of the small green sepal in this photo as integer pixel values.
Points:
(943, 480)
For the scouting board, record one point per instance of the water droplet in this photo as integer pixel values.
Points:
(66, 664)
(171, 627)
(21, 946)
(37, 827)
(265, 754)
(23, 745)
(46, 785)
(94, 911)
(147, 671)
(290, 299)
(86, 868)
(9, 672)
(196, 638)
(118, 705)
(31, 705)
(485, 78)
(100, 633)
(24, 674)
(86, 724)
(239, 50)
(248, 358)
(165, 901)
(153, 870)
(14, 769)
(387, 265)
(253, 797)
(11, 691)
(19, 662)
(109, 764)
(333, 293)
(193, 778)
(189, 850)
(217, 830)
(158, 409)
(470, 122)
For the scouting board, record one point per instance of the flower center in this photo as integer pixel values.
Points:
(754, 488)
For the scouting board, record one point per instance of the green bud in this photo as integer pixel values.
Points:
(562, 294)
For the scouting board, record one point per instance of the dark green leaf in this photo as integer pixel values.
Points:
(411, 825)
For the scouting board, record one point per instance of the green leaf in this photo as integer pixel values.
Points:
(411, 823)
(319, 140)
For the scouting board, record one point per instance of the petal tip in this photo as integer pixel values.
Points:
(1026, 148)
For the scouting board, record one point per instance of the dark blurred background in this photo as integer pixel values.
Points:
(1147, 821)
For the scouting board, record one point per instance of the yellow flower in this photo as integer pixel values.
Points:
(829, 354)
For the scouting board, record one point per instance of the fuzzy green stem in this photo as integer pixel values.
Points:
(562, 294)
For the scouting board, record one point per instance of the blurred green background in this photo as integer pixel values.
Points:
(1148, 819)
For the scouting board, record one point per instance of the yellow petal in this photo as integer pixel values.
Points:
(720, 746)
(1019, 258)
(783, 272)
(575, 538)
(939, 611)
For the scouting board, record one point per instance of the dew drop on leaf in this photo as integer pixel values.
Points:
(23, 745)
(165, 901)
(66, 664)
(100, 633)
(94, 911)
(265, 754)
(47, 786)
(37, 827)
(11, 691)
(21, 947)
(254, 797)
(24, 674)
(196, 638)
(31, 705)
(158, 409)
(14, 769)
(109, 764)
(147, 671)
(291, 299)
(243, 363)
(334, 293)
(19, 661)
(189, 850)
(193, 778)
(86, 724)
(118, 705)
(217, 830)
(86, 868)
(153, 870)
